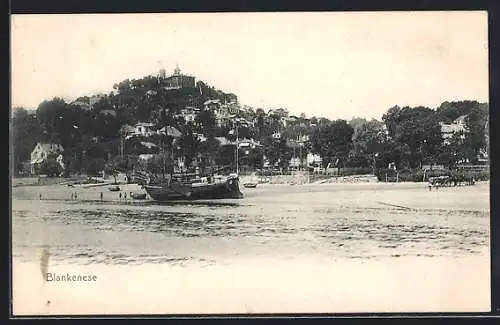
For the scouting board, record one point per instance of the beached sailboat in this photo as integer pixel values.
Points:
(169, 186)
(211, 187)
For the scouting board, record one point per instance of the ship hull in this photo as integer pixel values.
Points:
(228, 189)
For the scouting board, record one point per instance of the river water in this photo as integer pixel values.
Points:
(310, 237)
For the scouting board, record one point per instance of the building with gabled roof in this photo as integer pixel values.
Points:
(44, 151)
(449, 129)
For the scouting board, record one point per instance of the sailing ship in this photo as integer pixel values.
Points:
(169, 186)
(199, 188)
(189, 186)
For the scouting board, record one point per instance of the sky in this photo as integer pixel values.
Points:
(335, 65)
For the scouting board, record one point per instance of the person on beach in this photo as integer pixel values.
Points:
(72, 196)
(120, 195)
(40, 196)
(75, 196)
(101, 196)
(125, 195)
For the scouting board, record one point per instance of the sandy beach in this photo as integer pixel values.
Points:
(363, 195)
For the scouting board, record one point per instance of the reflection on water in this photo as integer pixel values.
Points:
(180, 233)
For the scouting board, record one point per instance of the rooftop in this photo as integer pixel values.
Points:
(50, 147)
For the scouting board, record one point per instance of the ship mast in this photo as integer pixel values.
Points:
(237, 149)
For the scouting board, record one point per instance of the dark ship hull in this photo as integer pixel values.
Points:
(227, 188)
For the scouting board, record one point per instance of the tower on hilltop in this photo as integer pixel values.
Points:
(177, 70)
(178, 80)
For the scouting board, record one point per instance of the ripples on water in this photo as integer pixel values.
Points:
(152, 233)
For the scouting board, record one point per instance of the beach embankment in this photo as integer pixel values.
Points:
(304, 178)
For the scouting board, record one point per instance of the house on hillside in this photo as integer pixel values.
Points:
(83, 105)
(288, 120)
(212, 104)
(188, 114)
(144, 129)
(448, 129)
(44, 151)
(223, 141)
(201, 137)
(248, 144)
(170, 131)
(95, 99)
(151, 92)
(110, 112)
(280, 112)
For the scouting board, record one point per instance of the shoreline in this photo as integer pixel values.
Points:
(389, 196)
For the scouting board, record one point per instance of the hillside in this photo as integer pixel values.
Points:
(90, 129)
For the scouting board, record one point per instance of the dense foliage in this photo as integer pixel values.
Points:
(406, 137)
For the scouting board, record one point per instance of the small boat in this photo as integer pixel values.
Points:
(250, 185)
(138, 196)
(114, 188)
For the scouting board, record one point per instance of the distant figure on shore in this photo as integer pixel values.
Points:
(430, 186)
(72, 196)
(40, 196)
(101, 196)
(75, 196)
(125, 195)
(120, 195)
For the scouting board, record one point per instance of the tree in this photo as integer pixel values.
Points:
(157, 164)
(206, 120)
(368, 141)
(189, 145)
(114, 165)
(449, 111)
(93, 165)
(56, 119)
(209, 151)
(454, 151)
(415, 133)
(356, 123)
(333, 142)
(475, 131)
(26, 132)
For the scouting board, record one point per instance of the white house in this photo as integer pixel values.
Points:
(212, 104)
(295, 162)
(288, 120)
(188, 114)
(143, 129)
(448, 129)
(201, 137)
(44, 151)
(313, 159)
